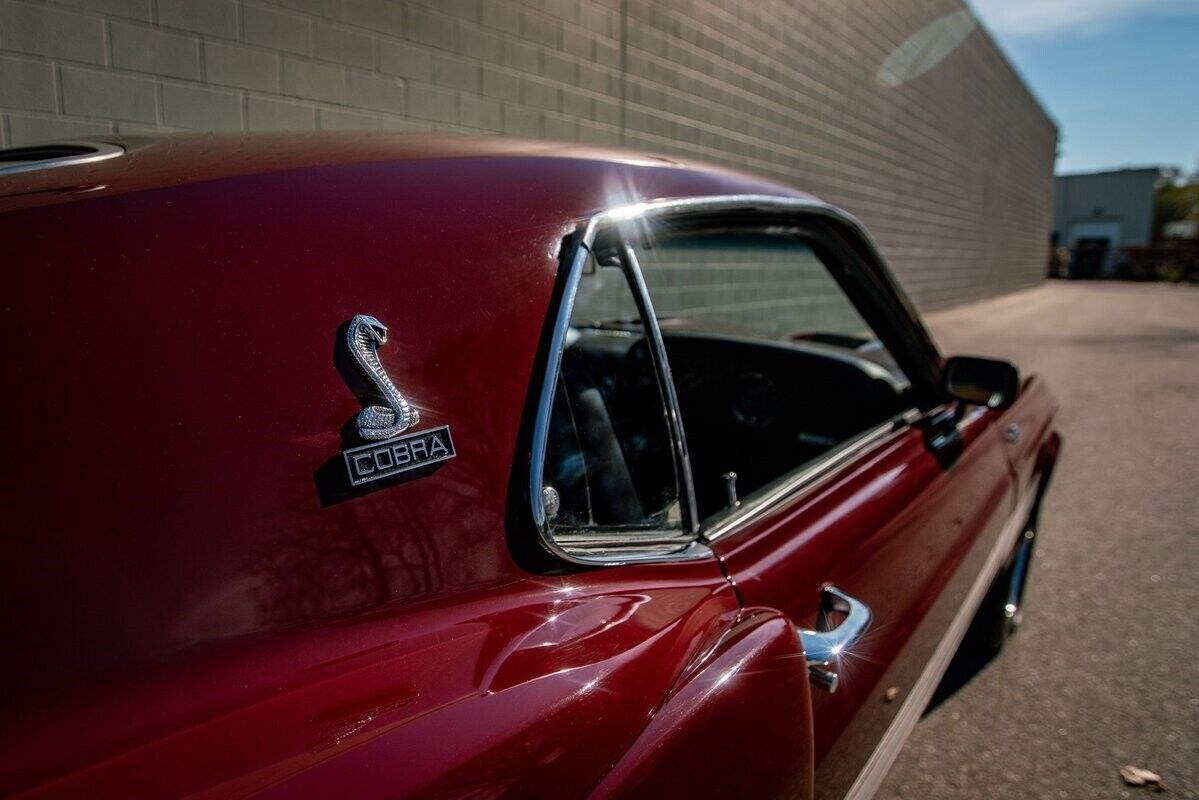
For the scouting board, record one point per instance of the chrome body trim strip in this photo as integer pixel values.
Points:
(589, 229)
(884, 755)
(101, 151)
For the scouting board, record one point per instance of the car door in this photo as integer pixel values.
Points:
(1027, 428)
(906, 537)
(832, 479)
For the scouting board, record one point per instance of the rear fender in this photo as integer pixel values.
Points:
(737, 724)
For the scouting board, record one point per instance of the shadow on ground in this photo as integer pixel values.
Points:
(967, 662)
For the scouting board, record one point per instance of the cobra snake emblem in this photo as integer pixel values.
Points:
(364, 337)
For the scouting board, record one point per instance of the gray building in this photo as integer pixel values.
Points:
(1097, 213)
(904, 112)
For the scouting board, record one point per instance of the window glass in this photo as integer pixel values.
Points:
(773, 365)
(609, 457)
(759, 284)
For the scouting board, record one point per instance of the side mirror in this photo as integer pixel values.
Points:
(983, 381)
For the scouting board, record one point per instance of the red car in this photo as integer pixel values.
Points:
(378, 466)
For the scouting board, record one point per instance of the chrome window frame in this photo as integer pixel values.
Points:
(613, 549)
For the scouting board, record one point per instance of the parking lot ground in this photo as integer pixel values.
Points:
(1105, 670)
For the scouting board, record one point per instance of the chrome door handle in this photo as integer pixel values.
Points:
(823, 648)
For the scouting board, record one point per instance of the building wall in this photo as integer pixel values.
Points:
(1119, 200)
(937, 144)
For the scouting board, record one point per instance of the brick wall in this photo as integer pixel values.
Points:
(951, 169)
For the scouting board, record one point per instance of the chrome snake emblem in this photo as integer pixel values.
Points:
(363, 339)
(392, 453)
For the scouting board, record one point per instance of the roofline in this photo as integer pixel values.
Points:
(1112, 171)
(178, 159)
(1009, 62)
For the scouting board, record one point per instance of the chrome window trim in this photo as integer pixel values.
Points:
(613, 552)
(807, 476)
(611, 548)
(645, 307)
(102, 152)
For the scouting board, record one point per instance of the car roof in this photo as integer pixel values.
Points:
(169, 160)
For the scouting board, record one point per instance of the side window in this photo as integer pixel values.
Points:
(773, 365)
(609, 462)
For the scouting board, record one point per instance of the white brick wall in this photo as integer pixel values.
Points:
(952, 171)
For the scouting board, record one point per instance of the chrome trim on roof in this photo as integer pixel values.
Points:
(99, 151)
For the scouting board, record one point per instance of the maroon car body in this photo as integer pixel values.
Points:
(186, 614)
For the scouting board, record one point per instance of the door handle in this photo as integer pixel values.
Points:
(823, 647)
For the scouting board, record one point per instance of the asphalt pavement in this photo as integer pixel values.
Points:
(1105, 669)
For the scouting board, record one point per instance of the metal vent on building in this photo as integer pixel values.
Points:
(65, 154)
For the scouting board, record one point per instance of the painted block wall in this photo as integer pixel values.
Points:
(936, 144)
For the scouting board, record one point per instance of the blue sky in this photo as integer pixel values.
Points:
(1120, 77)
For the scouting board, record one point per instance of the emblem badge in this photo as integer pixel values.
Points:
(390, 451)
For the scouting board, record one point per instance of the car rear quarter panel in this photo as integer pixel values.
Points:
(738, 726)
(187, 613)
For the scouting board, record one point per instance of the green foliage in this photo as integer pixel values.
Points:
(1176, 199)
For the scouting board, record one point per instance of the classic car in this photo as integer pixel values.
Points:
(392, 466)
